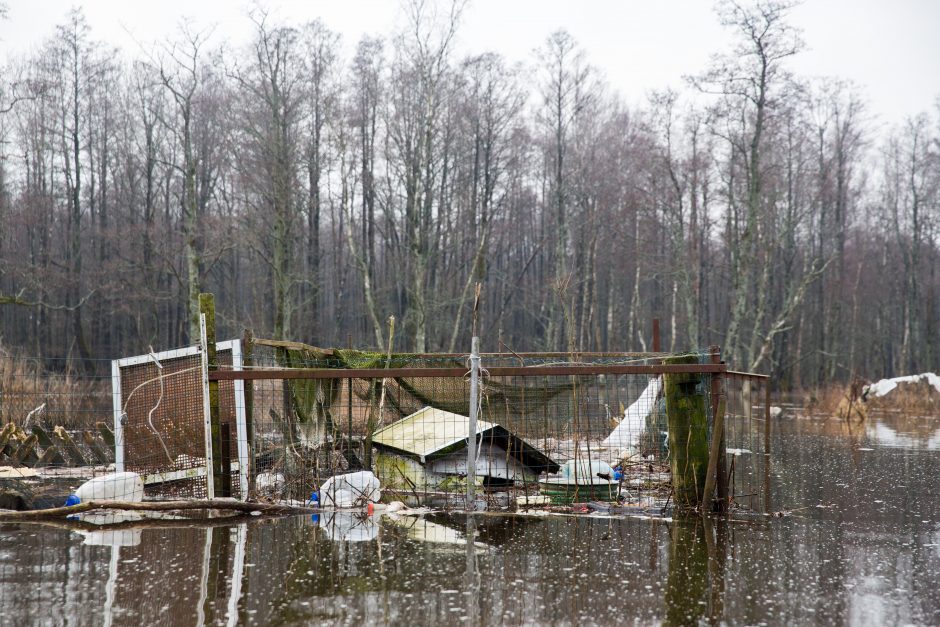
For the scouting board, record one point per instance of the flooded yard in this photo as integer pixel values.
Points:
(855, 539)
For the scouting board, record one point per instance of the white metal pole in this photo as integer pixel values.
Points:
(472, 430)
(206, 409)
(118, 417)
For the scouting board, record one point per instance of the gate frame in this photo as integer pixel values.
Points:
(235, 346)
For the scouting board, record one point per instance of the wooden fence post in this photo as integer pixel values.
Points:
(688, 433)
(717, 452)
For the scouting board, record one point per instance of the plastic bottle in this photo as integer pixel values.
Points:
(118, 486)
(350, 490)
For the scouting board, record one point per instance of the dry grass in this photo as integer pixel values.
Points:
(910, 398)
(837, 401)
(846, 401)
(70, 400)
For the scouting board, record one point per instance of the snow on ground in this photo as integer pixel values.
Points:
(885, 386)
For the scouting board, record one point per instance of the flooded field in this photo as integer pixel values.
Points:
(856, 540)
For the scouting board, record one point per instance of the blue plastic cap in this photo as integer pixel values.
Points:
(72, 500)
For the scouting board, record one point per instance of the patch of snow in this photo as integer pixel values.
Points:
(885, 386)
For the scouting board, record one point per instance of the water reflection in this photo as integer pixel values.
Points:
(860, 544)
(696, 582)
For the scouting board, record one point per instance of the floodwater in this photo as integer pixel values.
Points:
(858, 543)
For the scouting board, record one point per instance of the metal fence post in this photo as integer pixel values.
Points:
(206, 408)
(472, 425)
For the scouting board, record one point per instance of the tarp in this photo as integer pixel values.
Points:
(627, 434)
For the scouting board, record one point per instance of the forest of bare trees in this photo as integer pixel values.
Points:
(317, 190)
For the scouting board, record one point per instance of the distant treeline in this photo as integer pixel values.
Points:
(317, 194)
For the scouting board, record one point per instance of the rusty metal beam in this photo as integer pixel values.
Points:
(520, 371)
(747, 375)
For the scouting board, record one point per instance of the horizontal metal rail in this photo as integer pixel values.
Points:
(747, 375)
(329, 352)
(520, 371)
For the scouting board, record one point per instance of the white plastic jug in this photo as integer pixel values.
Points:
(586, 471)
(118, 486)
(351, 490)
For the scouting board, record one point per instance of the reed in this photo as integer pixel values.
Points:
(69, 398)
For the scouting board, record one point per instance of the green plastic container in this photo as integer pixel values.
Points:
(567, 491)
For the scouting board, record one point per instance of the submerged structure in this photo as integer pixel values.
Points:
(429, 448)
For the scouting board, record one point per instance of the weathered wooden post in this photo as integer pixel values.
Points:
(717, 451)
(687, 424)
(207, 308)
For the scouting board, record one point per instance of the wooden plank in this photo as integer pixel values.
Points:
(106, 434)
(68, 446)
(5, 434)
(24, 454)
(296, 346)
(748, 375)
(97, 451)
(50, 457)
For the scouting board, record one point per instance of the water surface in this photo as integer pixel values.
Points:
(857, 542)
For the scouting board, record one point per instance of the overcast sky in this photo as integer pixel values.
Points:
(891, 48)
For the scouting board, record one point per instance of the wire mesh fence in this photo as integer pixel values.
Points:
(160, 421)
(747, 440)
(55, 429)
(552, 429)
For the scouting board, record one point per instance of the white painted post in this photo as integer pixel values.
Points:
(241, 428)
(206, 409)
(472, 430)
(118, 416)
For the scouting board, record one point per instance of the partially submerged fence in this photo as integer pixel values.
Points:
(550, 427)
(573, 427)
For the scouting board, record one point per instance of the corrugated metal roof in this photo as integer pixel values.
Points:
(428, 431)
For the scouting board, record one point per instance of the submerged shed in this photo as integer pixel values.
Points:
(428, 450)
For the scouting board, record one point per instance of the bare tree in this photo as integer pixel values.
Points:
(181, 72)
(274, 81)
(565, 93)
(419, 73)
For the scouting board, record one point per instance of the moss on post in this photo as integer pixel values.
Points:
(688, 433)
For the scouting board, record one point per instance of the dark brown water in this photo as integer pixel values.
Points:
(860, 545)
